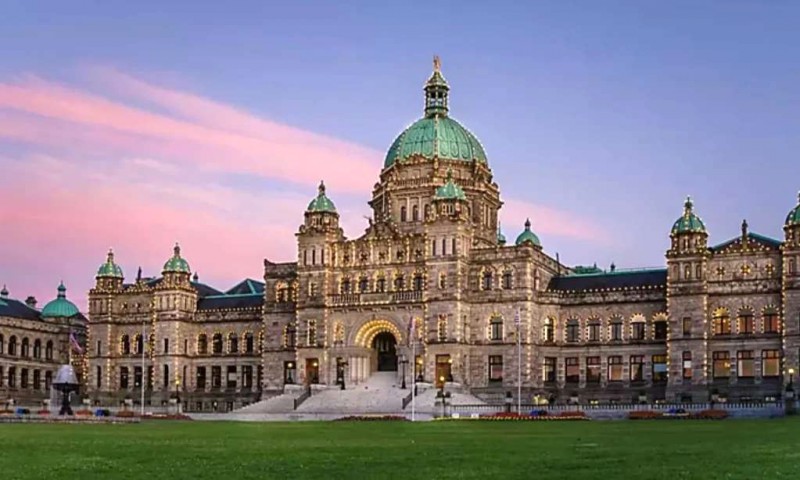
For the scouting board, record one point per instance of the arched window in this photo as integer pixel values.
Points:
(573, 331)
(399, 283)
(771, 321)
(311, 339)
(721, 322)
(638, 329)
(418, 282)
(593, 330)
(363, 284)
(496, 328)
(139, 344)
(508, 280)
(380, 284)
(216, 344)
(48, 350)
(744, 321)
(26, 347)
(125, 345)
(249, 342)
(12, 345)
(442, 281)
(486, 280)
(660, 328)
(549, 330)
(403, 214)
(415, 213)
(441, 328)
(281, 292)
(345, 285)
(290, 336)
(202, 344)
(37, 348)
(338, 333)
(233, 343)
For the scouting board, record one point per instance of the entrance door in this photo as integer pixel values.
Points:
(386, 347)
(443, 370)
(312, 370)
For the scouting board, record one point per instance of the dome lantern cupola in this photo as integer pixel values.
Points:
(177, 264)
(60, 307)
(436, 91)
(321, 203)
(501, 239)
(4, 292)
(689, 222)
(109, 269)
(527, 237)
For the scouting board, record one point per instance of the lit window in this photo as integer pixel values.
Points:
(548, 331)
(496, 328)
(722, 322)
(659, 366)
(549, 369)
(573, 370)
(637, 368)
(687, 365)
(771, 324)
(495, 368)
(592, 369)
(770, 363)
(744, 322)
(745, 365)
(722, 364)
(615, 368)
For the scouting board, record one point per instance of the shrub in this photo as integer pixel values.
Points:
(368, 418)
(711, 414)
(43, 411)
(573, 414)
(644, 415)
(125, 414)
(83, 413)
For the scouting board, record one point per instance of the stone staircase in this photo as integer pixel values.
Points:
(381, 393)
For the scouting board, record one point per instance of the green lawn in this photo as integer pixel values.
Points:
(757, 449)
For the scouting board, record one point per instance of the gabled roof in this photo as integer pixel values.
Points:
(16, 309)
(618, 280)
(246, 286)
(216, 302)
(204, 290)
(753, 240)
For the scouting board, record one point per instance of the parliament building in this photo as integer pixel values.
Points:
(719, 320)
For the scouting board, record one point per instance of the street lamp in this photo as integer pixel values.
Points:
(403, 363)
(343, 366)
(791, 377)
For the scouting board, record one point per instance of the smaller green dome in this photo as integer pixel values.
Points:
(793, 219)
(450, 190)
(321, 203)
(109, 269)
(176, 264)
(689, 222)
(60, 307)
(501, 239)
(527, 236)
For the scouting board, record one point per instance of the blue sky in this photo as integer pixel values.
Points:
(608, 112)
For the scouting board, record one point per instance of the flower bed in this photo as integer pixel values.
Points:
(377, 418)
(711, 414)
(125, 414)
(171, 416)
(644, 415)
(534, 416)
(43, 412)
(83, 413)
(678, 414)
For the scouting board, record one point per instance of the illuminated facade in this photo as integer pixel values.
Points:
(717, 320)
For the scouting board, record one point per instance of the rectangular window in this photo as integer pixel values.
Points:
(98, 350)
(637, 368)
(24, 378)
(616, 331)
(573, 370)
(247, 376)
(687, 365)
(687, 326)
(166, 346)
(37, 379)
(592, 369)
(12, 377)
(745, 365)
(166, 376)
(549, 373)
(216, 376)
(230, 380)
(659, 366)
(722, 364)
(594, 332)
(495, 368)
(98, 374)
(200, 378)
(150, 377)
(770, 363)
(615, 368)
(572, 332)
(123, 377)
(496, 329)
(137, 377)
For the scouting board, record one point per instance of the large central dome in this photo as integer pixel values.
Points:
(436, 135)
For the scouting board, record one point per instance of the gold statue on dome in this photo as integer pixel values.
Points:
(437, 63)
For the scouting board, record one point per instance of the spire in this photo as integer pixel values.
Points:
(110, 257)
(139, 275)
(321, 188)
(527, 224)
(177, 250)
(688, 206)
(436, 92)
(62, 290)
(196, 277)
(744, 232)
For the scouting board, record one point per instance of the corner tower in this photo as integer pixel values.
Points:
(791, 290)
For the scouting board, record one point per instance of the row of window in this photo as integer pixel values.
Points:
(26, 378)
(745, 322)
(347, 285)
(133, 378)
(219, 345)
(638, 331)
(24, 348)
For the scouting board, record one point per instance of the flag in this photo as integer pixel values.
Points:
(73, 342)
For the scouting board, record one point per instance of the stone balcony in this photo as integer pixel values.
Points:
(375, 298)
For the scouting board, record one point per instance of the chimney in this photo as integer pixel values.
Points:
(31, 301)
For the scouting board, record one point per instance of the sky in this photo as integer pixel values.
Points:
(134, 125)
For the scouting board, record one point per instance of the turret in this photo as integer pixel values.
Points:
(176, 270)
(109, 275)
(527, 237)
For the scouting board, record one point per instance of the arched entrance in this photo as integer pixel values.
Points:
(385, 346)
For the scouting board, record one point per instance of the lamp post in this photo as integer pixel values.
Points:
(403, 363)
(344, 373)
(789, 404)
(177, 394)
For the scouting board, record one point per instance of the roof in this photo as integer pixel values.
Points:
(689, 222)
(527, 236)
(16, 309)
(60, 307)
(217, 302)
(450, 190)
(246, 286)
(618, 280)
(204, 290)
(321, 203)
(752, 237)
(176, 263)
(109, 268)
(436, 137)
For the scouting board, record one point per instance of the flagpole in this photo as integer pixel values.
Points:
(413, 371)
(144, 375)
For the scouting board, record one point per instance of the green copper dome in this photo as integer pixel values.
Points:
(689, 222)
(321, 203)
(793, 219)
(436, 135)
(176, 264)
(60, 307)
(110, 269)
(450, 190)
(527, 236)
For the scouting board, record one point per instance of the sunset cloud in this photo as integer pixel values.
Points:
(137, 166)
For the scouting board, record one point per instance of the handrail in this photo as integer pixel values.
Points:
(407, 399)
(302, 398)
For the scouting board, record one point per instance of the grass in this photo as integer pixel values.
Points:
(730, 449)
